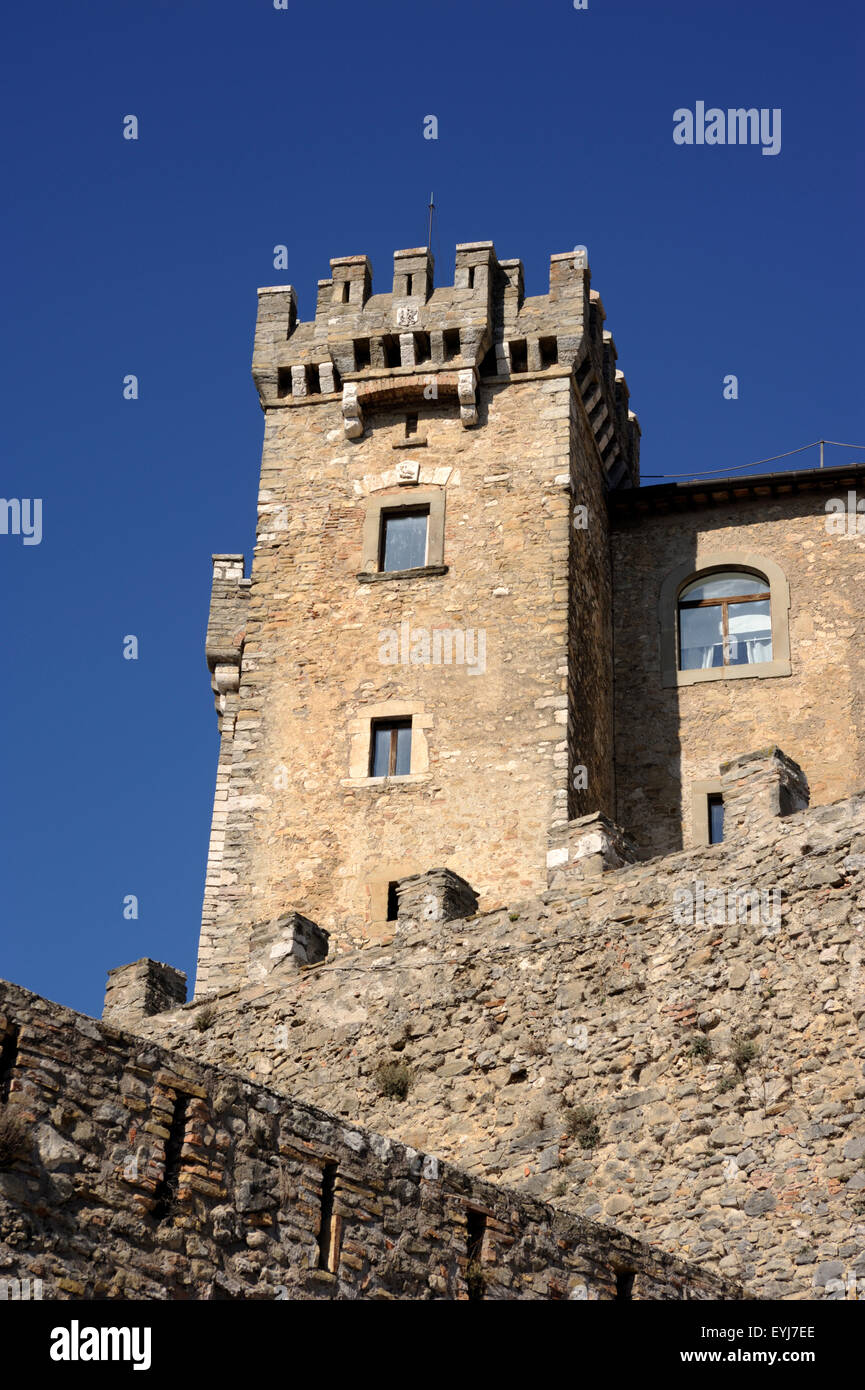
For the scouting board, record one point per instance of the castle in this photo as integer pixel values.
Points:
(536, 864)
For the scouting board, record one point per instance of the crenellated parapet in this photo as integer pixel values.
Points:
(419, 343)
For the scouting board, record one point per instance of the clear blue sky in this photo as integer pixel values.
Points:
(304, 127)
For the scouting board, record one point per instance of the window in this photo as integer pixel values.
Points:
(725, 619)
(715, 810)
(392, 901)
(403, 539)
(755, 644)
(390, 750)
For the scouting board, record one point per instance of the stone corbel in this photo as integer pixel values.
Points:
(466, 391)
(225, 680)
(351, 411)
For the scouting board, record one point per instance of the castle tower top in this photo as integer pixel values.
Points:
(375, 349)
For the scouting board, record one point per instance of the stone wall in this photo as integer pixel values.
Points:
(139, 1174)
(670, 738)
(676, 1046)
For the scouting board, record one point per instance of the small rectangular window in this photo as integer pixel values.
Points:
(392, 902)
(404, 539)
(451, 342)
(361, 354)
(390, 753)
(345, 287)
(716, 818)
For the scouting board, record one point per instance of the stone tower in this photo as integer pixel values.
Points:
(418, 673)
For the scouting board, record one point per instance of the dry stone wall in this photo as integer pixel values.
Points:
(675, 1046)
(139, 1174)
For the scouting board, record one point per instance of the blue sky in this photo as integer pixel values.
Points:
(304, 127)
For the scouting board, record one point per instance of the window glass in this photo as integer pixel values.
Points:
(723, 586)
(750, 630)
(716, 820)
(701, 637)
(403, 752)
(391, 749)
(404, 536)
(720, 626)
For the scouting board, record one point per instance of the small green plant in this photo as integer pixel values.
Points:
(559, 1189)
(699, 1046)
(205, 1018)
(725, 1084)
(580, 1124)
(14, 1137)
(742, 1053)
(475, 1279)
(513, 916)
(393, 1079)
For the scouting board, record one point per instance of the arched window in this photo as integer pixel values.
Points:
(725, 619)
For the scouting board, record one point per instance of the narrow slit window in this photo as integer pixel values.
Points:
(519, 355)
(476, 1228)
(390, 752)
(624, 1285)
(471, 277)
(8, 1059)
(404, 539)
(166, 1192)
(346, 288)
(328, 1230)
(392, 902)
(716, 818)
(410, 425)
(313, 380)
(549, 349)
(490, 364)
(391, 349)
(409, 281)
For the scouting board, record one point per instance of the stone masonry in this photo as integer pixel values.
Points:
(140, 1174)
(677, 1047)
(670, 738)
(500, 413)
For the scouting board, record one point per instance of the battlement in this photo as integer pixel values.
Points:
(419, 343)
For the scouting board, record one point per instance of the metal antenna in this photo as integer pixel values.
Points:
(429, 228)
